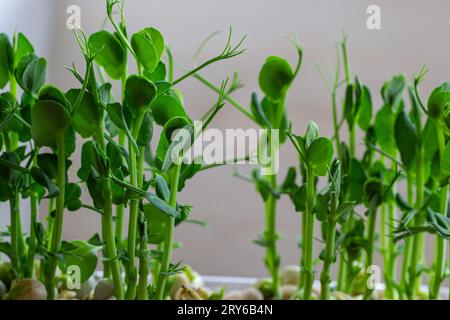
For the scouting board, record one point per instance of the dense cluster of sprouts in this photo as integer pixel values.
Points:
(360, 208)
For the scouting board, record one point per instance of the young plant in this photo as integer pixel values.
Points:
(329, 211)
(316, 154)
(275, 80)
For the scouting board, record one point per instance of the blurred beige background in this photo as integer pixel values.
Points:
(412, 33)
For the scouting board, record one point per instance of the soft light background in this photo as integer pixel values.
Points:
(413, 33)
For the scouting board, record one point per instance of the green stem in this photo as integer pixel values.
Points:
(120, 209)
(325, 277)
(134, 206)
(142, 293)
(301, 282)
(58, 219)
(233, 102)
(370, 249)
(272, 259)
(14, 137)
(392, 267)
(15, 259)
(108, 228)
(336, 126)
(168, 237)
(352, 143)
(408, 240)
(392, 218)
(384, 247)
(418, 240)
(439, 262)
(309, 236)
(32, 242)
(50, 221)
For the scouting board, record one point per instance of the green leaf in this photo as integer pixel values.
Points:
(148, 44)
(349, 106)
(289, 180)
(373, 190)
(438, 100)
(322, 208)
(42, 179)
(172, 141)
(161, 205)
(159, 74)
(445, 163)
(87, 159)
(385, 130)
(7, 105)
(430, 140)
(344, 209)
(258, 112)
(104, 93)
(50, 92)
(96, 185)
(392, 91)
(312, 133)
(319, 156)
(365, 109)
(72, 197)
(156, 223)
(298, 197)
(69, 141)
(84, 256)
(354, 181)
(406, 139)
(146, 131)
(161, 188)
(166, 107)
(275, 77)
(117, 192)
(30, 73)
(49, 120)
(139, 93)
(6, 60)
(23, 47)
(48, 163)
(111, 55)
(115, 113)
(87, 118)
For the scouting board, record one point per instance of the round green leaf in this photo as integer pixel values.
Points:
(319, 156)
(50, 92)
(166, 107)
(111, 55)
(49, 119)
(275, 76)
(439, 98)
(88, 116)
(148, 45)
(30, 73)
(139, 93)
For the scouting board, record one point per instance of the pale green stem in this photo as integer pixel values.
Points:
(168, 237)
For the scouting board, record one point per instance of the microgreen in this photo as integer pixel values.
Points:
(355, 197)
